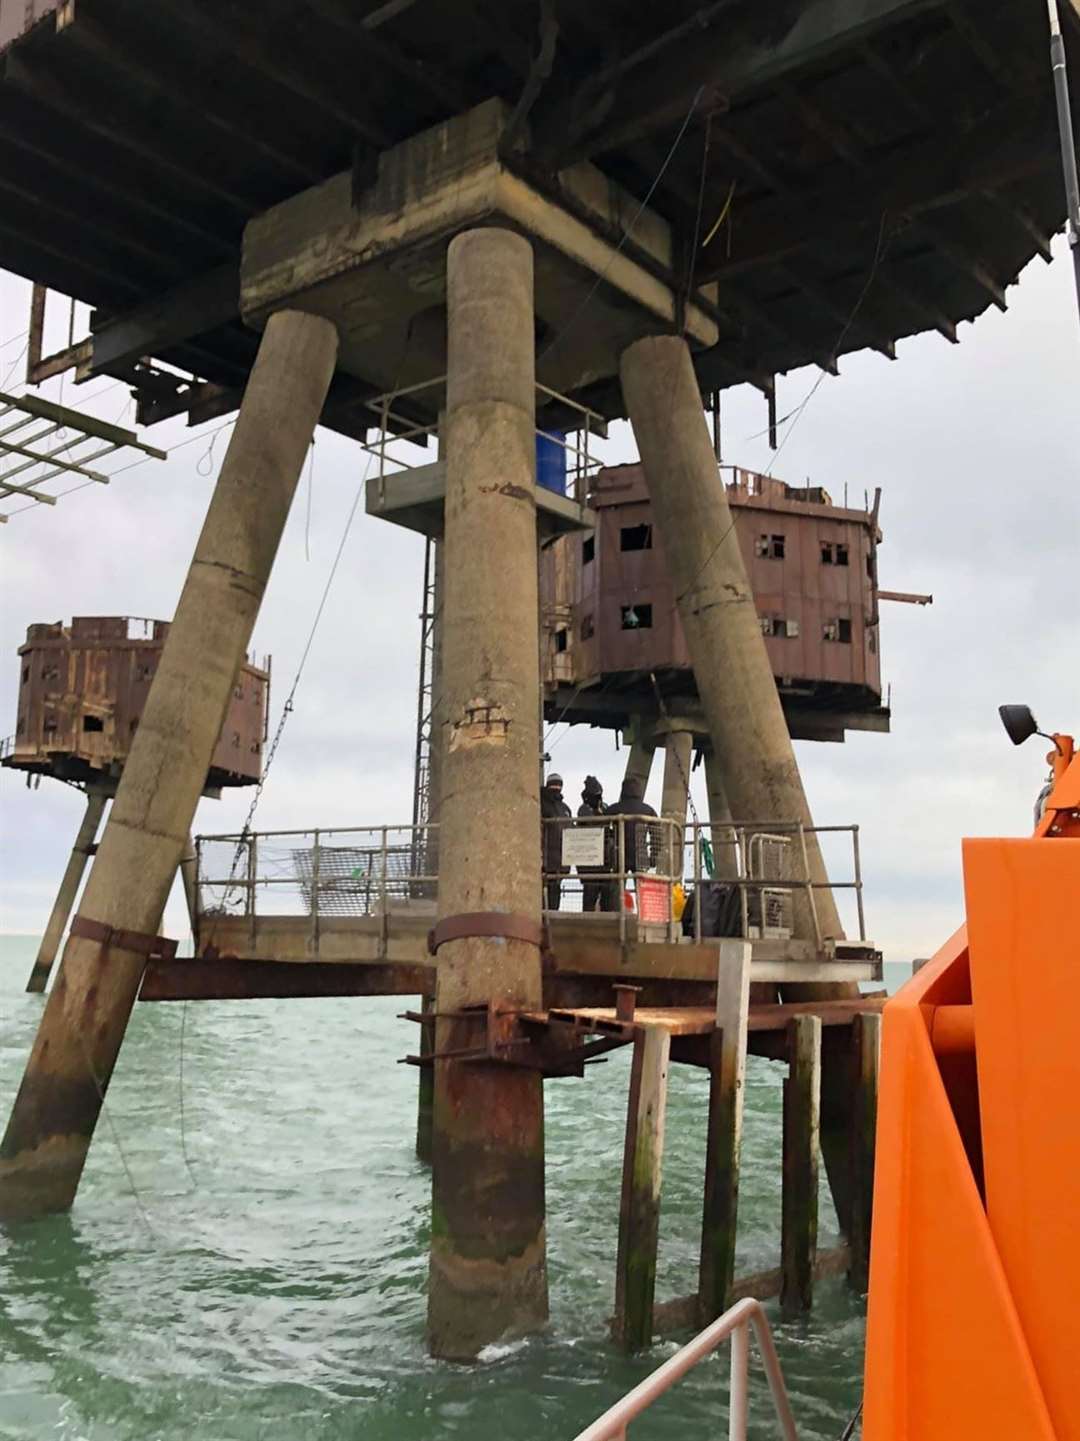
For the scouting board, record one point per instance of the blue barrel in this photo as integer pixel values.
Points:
(551, 461)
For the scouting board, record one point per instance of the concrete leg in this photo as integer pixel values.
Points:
(639, 762)
(716, 604)
(725, 855)
(639, 1214)
(189, 865)
(678, 757)
(727, 1065)
(81, 852)
(52, 1122)
(799, 1222)
(866, 1045)
(488, 1275)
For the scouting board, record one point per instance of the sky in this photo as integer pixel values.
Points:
(976, 448)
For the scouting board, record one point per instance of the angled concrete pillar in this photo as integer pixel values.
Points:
(81, 852)
(716, 604)
(678, 758)
(488, 1276)
(639, 762)
(55, 1112)
(725, 855)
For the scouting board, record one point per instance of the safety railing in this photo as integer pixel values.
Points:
(735, 1326)
(395, 427)
(671, 879)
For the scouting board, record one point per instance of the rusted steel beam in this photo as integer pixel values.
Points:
(711, 55)
(923, 178)
(799, 1206)
(108, 118)
(639, 1210)
(425, 1090)
(175, 315)
(229, 979)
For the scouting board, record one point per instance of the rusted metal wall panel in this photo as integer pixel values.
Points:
(18, 16)
(82, 692)
(809, 566)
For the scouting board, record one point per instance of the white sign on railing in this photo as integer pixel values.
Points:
(583, 847)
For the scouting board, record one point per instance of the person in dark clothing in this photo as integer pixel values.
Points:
(599, 895)
(554, 814)
(641, 839)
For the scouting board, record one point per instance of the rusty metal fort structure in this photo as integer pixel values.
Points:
(481, 221)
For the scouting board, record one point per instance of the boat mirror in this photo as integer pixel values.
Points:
(1018, 721)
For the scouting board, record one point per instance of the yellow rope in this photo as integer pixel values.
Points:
(722, 216)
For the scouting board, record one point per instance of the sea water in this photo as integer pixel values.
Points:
(247, 1255)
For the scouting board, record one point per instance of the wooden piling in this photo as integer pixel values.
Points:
(639, 1213)
(799, 1223)
(727, 1065)
(866, 1046)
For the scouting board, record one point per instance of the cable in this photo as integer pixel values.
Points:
(797, 413)
(627, 233)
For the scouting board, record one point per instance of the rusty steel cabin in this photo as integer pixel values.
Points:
(611, 622)
(82, 690)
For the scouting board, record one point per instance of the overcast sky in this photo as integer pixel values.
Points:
(976, 448)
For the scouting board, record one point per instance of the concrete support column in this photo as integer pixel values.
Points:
(47, 1138)
(189, 865)
(488, 1274)
(716, 604)
(678, 757)
(81, 852)
(639, 762)
(725, 854)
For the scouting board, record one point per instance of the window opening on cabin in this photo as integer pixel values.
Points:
(145, 670)
(636, 617)
(588, 630)
(838, 630)
(833, 553)
(562, 640)
(25, 674)
(635, 537)
(770, 546)
(50, 672)
(92, 723)
(774, 625)
(588, 549)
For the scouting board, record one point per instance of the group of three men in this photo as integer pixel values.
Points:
(600, 888)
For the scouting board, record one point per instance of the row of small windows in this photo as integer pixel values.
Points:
(639, 616)
(771, 547)
(833, 552)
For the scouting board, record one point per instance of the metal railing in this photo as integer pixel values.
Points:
(636, 867)
(734, 1325)
(394, 427)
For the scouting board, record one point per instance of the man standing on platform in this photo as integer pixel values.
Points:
(555, 814)
(597, 894)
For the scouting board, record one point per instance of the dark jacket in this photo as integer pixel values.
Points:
(642, 840)
(610, 860)
(553, 808)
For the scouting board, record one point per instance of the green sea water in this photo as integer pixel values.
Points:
(247, 1255)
